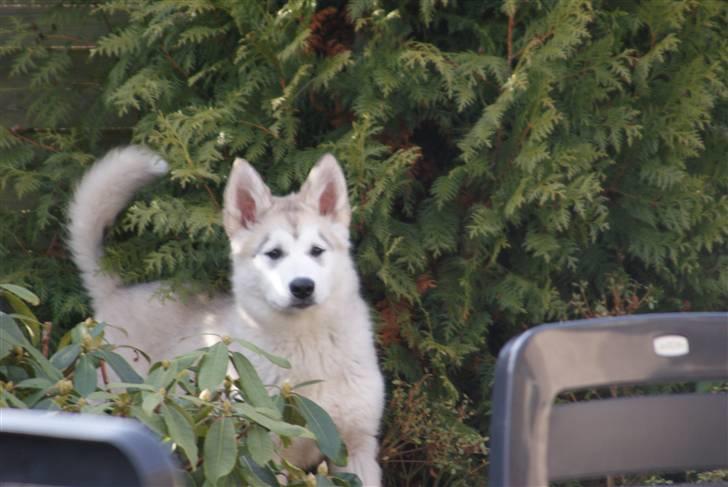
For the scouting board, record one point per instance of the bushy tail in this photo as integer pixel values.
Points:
(104, 191)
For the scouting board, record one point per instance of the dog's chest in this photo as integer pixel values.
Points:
(337, 352)
(311, 358)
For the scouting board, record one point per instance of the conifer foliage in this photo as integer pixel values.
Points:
(508, 161)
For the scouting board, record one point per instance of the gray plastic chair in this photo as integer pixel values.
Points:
(534, 441)
(47, 448)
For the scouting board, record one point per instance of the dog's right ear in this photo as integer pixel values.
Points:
(246, 197)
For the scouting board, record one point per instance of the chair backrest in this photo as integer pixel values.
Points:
(534, 441)
(50, 448)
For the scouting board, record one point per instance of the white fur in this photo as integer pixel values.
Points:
(330, 339)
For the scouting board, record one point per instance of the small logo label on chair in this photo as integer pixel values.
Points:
(671, 345)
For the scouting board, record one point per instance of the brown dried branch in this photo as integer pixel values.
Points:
(46, 337)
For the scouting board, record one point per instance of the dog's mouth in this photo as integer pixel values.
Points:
(302, 303)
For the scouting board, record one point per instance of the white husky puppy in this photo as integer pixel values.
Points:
(295, 291)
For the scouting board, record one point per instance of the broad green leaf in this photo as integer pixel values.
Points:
(122, 368)
(65, 356)
(260, 444)
(22, 293)
(161, 377)
(77, 333)
(46, 404)
(320, 423)
(137, 351)
(195, 400)
(153, 421)
(255, 475)
(306, 383)
(6, 346)
(202, 413)
(98, 408)
(34, 397)
(278, 427)
(151, 401)
(181, 431)
(24, 314)
(291, 414)
(43, 366)
(14, 373)
(35, 383)
(188, 385)
(291, 468)
(250, 384)
(275, 359)
(271, 413)
(11, 399)
(10, 335)
(10, 332)
(154, 376)
(97, 329)
(33, 327)
(280, 404)
(221, 449)
(130, 385)
(66, 339)
(187, 360)
(100, 396)
(213, 368)
(84, 376)
(346, 479)
(322, 481)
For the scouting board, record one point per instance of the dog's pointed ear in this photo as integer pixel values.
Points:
(246, 197)
(325, 190)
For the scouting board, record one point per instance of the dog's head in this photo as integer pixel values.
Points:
(288, 251)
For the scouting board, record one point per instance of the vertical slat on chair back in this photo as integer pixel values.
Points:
(536, 366)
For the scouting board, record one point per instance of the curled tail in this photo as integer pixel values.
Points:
(104, 191)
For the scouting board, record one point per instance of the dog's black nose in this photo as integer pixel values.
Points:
(302, 287)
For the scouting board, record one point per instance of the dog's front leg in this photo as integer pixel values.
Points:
(363, 461)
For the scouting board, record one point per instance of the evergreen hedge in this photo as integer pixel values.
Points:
(509, 163)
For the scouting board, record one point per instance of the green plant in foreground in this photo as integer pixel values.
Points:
(225, 430)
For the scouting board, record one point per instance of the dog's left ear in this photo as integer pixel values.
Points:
(325, 190)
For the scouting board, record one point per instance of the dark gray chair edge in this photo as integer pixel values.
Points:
(151, 461)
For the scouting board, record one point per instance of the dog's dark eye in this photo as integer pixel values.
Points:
(274, 254)
(316, 251)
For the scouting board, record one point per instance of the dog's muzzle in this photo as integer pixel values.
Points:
(302, 304)
(302, 289)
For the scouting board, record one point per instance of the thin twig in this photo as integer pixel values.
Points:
(190, 163)
(535, 42)
(407, 452)
(64, 37)
(46, 337)
(260, 127)
(509, 40)
(52, 245)
(104, 375)
(33, 142)
(212, 197)
(173, 63)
